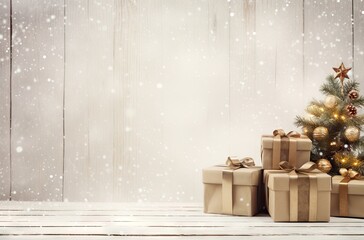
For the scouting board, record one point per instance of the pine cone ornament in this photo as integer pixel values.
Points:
(353, 94)
(351, 110)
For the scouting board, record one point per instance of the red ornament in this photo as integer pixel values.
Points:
(351, 110)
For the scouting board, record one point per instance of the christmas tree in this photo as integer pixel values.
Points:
(334, 125)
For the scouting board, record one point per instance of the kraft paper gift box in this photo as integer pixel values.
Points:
(347, 200)
(291, 147)
(233, 192)
(298, 197)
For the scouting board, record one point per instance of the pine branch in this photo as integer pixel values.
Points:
(304, 122)
(331, 87)
(359, 102)
(350, 85)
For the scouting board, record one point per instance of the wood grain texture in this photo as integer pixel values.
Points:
(5, 64)
(155, 90)
(89, 101)
(24, 220)
(328, 41)
(37, 100)
(358, 53)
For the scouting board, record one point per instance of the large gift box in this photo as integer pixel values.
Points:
(234, 191)
(347, 196)
(291, 147)
(299, 195)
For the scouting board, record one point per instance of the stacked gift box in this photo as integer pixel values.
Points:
(288, 185)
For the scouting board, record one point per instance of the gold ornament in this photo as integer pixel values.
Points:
(330, 101)
(305, 130)
(352, 133)
(342, 73)
(324, 165)
(320, 133)
(312, 108)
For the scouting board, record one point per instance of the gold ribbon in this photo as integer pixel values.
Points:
(303, 191)
(282, 143)
(344, 189)
(233, 163)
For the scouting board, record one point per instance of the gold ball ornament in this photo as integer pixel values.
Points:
(324, 165)
(330, 101)
(352, 133)
(320, 133)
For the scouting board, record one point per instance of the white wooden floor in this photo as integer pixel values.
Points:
(37, 220)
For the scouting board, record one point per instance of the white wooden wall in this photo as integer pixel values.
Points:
(126, 100)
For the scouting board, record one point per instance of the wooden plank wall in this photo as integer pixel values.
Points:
(128, 100)
(5, 93)
(37, 100)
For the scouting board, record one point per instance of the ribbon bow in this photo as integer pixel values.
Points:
(302, 209)
(233, 163)
(282, 133)
(236, 163)
(305, 168)
(348, 175)
(284, 147)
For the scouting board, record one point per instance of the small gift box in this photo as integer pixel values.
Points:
(298, 195)
(347, 195)
(233, 189)
(292, 147)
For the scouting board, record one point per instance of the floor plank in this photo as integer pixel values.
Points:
(55, 220)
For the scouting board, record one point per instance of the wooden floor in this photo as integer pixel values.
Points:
(36, 220)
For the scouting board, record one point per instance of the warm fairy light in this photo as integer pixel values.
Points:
(322, 109)
(355, 163)
(343, 160)
(333, 143)
(343, 117)
(336, 116)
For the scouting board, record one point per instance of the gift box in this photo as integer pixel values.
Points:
(291, 147)
(347, 199)
(298, 196)
(232, 191)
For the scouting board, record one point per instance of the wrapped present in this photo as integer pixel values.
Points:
(347, 195)
(298, 195)
(233, 188)
(292, 147)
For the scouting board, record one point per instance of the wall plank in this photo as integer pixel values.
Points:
(328, 41)
(5, 99)
(358, 42)
(157, 89)
(266, 68)
(89, 101)
(37, 100)
(126, 83)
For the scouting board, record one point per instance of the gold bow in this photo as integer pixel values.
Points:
(233, 163)
(305, 168)
(348, 175)
(284, 144)
(301, 183)
(282, 133)
(236, 163)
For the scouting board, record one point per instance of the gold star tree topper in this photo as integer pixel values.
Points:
(342, 72)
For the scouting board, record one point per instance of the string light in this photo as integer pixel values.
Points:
(336, 116)
(343, 117)
(322, 109)
(333, 143)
